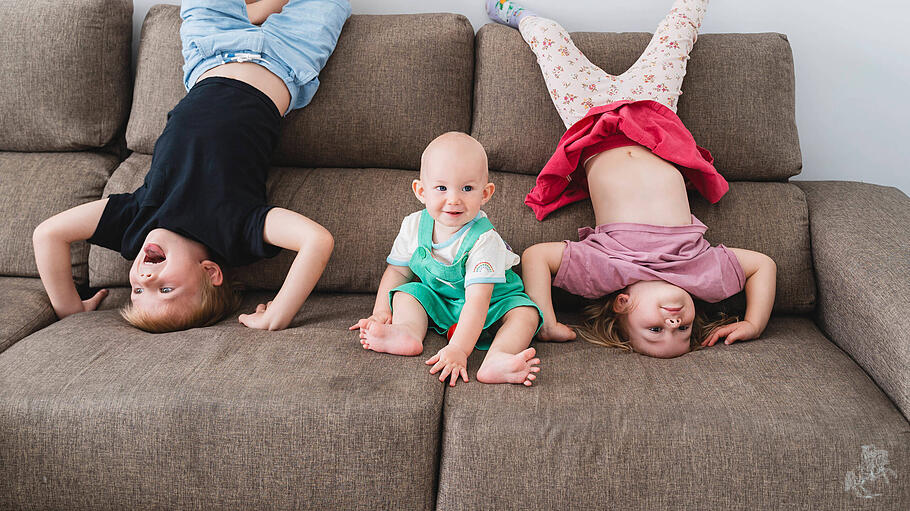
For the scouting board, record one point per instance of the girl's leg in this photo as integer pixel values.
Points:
(538, 264)
(509, 359)
(658, 74)
(405, 335)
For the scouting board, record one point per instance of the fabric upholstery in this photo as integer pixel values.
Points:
(26, 309)
(775, 423)
(97, 415)
(393, 84)
(860, 236)
(743, 114)
(363, 209)
(65, 75)
(36, 186)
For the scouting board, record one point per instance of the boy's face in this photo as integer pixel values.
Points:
(660, 321)
(454, 185)
(166, 277)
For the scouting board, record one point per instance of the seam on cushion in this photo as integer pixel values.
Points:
(29, 327)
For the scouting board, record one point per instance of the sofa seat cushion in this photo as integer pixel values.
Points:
(65, 73)
(394, 83)
(97, 415)
(743, 114)
(774, 423)
(37, 186)
(363, 209)
(26, 308)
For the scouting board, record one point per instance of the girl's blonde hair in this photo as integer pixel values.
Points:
(605, 326)
(216, 303)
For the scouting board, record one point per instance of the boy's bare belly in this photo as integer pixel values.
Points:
(258, 77)
(631, 184)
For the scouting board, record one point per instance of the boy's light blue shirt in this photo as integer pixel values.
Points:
(293, 44)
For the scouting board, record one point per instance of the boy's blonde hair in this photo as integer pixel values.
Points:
(606, 327)
(216, 303)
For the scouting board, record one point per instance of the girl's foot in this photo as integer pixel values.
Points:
(507, 12)
(555, 332)
(499, 367)
(393, 339)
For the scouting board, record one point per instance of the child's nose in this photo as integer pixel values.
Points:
(673, 322)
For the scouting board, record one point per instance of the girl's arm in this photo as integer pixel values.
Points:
(313, 244)
(393, 277)
(51, 240)
(453, 359)
(538, 265)
(761, 279)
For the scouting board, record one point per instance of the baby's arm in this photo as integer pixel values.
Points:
(761, 279)
(453, 359)
(313, 244)
(539, 263)
(393, 277)
(51, 240)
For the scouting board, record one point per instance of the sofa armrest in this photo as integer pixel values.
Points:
(861, 252)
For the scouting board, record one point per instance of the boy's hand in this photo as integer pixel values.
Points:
(384, 317)
(452, 362)
(739, 331)
(93, 302)
(261, 319)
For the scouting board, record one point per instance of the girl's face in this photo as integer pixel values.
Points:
(659, 318)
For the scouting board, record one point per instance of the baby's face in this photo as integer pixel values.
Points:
(660, 322)
(453, 186)
(166, 277)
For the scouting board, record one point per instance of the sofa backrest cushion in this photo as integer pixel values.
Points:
(393, 84)
(363, 209)
(738, 100)
(65, 73)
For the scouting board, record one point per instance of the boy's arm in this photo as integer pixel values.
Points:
(259, 11)
(761, 279)
(453, 359)
(313, 244)
(51, 240)
(393, 277)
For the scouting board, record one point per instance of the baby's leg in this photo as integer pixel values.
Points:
(658, 74)
(405, 335)
(539, 263)
(509, 359)
(574, 83)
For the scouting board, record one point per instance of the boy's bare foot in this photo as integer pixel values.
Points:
(501, 367)
(393, 339)
(555, 332)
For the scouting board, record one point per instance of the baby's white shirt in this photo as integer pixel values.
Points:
(487, 261)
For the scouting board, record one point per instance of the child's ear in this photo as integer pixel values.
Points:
(417, 187)
(621, 304)
(212, 269)
(488, 190)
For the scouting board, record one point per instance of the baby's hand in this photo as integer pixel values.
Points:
(452, 361)
(261, 319)
(383, 317)
(739, 331)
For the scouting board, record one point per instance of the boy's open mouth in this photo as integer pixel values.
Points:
(153, 254)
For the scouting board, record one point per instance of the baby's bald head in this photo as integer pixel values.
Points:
(454, 152)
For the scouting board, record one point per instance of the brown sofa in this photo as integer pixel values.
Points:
(97, 415)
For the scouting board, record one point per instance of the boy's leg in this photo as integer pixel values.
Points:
(574, 83)
(405, 335)
(509, 360)
(539, 263)
(658, 73)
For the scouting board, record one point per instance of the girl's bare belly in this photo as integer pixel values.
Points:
(258, 77)
(631, 184)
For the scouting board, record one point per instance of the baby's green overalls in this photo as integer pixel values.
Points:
(441, 289)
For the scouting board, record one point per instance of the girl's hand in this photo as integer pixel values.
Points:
(452, 362)
(384, 318)
(739, 331)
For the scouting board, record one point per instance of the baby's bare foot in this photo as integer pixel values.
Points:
(393, 339)
(555, 332)
(506, 368)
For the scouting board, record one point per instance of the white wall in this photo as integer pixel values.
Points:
(852, 66)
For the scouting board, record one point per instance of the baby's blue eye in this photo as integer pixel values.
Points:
(138, 290)
(166, 289)
(467, 188)
(441, 188)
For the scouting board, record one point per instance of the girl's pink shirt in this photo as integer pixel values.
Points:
(648, 123)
